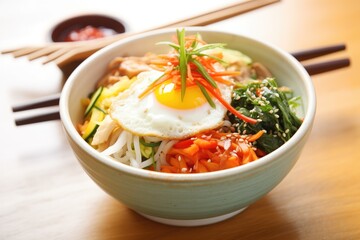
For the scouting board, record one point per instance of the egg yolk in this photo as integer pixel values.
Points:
(169, 95)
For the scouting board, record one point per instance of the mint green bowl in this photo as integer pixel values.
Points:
(187, 199)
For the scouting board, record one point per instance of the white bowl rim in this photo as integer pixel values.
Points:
(302, 131)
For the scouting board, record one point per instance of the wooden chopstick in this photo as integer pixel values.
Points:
(65, 52)
(81, 52)
(220, 14)
(312, 69)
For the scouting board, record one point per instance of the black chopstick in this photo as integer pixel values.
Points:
(43, 117)
(47, 101)
(312, 69)
(317, 68)
(318, 52)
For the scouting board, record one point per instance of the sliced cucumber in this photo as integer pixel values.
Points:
(96, 117)
(92, 133)
(93, 101)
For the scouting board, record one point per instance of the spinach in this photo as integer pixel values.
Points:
(264, 101)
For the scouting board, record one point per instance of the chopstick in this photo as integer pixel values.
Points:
(47, 101)
(49, 115)
(66, 52)
(322, 67)
(312, 69)
(318, 52)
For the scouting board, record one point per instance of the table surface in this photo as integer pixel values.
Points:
(45, 194)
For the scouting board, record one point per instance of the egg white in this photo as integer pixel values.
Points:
(148, 117)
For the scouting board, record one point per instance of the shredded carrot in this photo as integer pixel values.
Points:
(184, 143)
(199, 167)
(226, 73)
(207, 63)
(169, 169)
(196, 75)
(256, 136)
(227, 105)
(152, 86)
(210, 166)
(189, 73)
(222, 80)
(211, 151)
(205, 144)
(192, 38)
(187, 152)
(230, 163)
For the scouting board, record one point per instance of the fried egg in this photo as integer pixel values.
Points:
(162, 113)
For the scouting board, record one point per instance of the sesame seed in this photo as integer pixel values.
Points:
(227, 144)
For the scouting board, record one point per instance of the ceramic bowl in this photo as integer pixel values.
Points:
(187, 199)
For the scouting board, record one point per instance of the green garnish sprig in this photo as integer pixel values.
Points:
(190, 55)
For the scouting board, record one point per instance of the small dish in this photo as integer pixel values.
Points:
(86, 27)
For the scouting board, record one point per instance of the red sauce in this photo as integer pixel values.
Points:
(88, 33)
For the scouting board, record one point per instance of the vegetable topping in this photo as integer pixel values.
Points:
(171, 91)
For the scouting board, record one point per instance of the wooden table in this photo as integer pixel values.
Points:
(45, 194)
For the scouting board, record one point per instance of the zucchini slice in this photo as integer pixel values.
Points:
(93, 101)
(96, 117)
